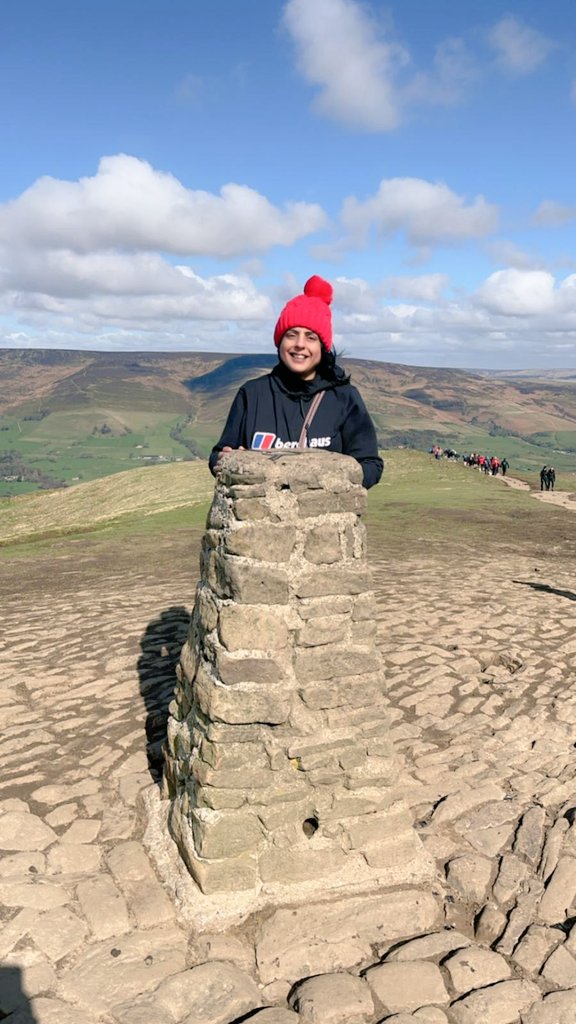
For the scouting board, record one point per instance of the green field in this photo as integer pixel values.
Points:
(420, 502)
(73, 447)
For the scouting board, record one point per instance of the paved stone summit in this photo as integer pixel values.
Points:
(479, 660)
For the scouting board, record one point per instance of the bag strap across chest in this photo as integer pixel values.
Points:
(309, 417)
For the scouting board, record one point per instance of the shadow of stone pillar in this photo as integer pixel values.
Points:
(282, 779)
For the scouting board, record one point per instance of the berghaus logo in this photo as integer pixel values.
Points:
(262, 442)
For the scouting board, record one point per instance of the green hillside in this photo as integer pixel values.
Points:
(72, 417)
(119, 501)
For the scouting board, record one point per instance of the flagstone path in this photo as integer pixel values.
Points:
(481, 663)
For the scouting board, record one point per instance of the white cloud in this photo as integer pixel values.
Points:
(423, 287)
(514, 292)
(364, 77)
(514, 319)
(128, 204)
(519, 48)
(553, 215)
(509, 254)
(341, 50)
(82, 287)
(428, 213)
(448, 83)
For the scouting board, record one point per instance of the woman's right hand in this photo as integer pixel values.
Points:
(226, 448)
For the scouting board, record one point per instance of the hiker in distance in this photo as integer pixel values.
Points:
(307, 401)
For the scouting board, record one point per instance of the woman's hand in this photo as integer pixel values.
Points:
(226, 448)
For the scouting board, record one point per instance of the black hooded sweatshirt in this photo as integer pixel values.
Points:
(268, 414)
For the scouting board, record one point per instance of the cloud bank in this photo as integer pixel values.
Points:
(119, 260)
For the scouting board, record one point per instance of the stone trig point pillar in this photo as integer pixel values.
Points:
(281, 775)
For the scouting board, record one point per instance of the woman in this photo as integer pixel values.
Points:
(307, 401)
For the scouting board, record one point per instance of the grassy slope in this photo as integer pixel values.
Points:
(123, 500)
(421, 504)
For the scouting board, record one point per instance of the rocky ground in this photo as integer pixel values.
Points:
(480, 653)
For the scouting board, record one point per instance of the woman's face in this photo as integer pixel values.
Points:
(301, 351)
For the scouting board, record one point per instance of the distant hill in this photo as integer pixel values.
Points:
(73, 416)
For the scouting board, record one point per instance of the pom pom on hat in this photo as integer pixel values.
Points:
(311, 310)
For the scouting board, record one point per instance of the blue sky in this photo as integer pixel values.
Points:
(174, 170)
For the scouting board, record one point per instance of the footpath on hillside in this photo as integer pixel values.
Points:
(481, 666)
(564, 499)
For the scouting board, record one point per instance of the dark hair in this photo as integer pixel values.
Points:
(329, 368)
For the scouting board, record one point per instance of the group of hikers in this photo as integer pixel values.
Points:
(547, 478)
(489, 464)
(492, 465)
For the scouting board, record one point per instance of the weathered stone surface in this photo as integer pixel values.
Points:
(58, 932)
(470, 875)
(556, 1008)
(325, 937)
(81, 832)
(252, 626)
(560, 968)
(511, 875)
(230, 755)
(402, 859)
(22, 864)
(239, 872)
(335, 662)
(407, 986)
(333, 581)
(222, 946)
(141, 1011)
(264, 541)
(333, 999)
(323, 544)
(73, 860)
(374, 828)
(252, 584)
(437, 944)
(213, 993)
(530, 835)
(535, 946)
(475, 968)
(44, 1010)
(129, 863)
(428, 1015)
(502, 1003)
(560, 892)
(490, 924)
(289, 866)
(326, 607)
(110, 973)
(234, 668)
(460, 803)
(104, 907)
(24, 831)
(218, 834)
(242, 704)
(59, 794)
(43, 895)
(276, 1015)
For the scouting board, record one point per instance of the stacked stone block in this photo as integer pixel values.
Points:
(279, 766)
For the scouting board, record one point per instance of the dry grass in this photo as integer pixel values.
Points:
(137, 492)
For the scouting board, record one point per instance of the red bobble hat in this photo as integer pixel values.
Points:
(311, 310)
